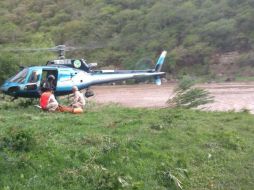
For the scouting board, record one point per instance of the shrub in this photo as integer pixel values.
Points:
(187, 96)
(246, 59)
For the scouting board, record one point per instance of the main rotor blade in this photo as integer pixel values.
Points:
(56, 48)
(86, 47)
(28, 49)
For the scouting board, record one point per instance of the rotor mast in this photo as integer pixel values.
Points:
(61, 51)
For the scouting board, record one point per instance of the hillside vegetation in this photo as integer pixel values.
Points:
(119, 33)
(111, 147)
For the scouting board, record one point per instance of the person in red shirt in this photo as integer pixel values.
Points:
(48, 101)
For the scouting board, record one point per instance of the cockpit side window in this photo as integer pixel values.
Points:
(20, 77)
(34, 77)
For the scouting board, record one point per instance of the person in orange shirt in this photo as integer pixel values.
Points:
(48, 101)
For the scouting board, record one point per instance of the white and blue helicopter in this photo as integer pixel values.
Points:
(71, 72)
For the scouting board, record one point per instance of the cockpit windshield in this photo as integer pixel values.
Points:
(20, 77)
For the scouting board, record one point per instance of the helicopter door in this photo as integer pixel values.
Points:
(47, 73)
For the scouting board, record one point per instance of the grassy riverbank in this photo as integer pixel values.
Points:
(112, 147)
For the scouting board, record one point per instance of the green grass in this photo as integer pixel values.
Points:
(112, 147)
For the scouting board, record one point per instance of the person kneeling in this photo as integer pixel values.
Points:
(48, 101)
(78, 100)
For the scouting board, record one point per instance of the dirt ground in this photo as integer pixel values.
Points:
(227, 96)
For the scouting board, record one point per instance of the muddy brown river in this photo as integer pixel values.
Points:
(227, 96)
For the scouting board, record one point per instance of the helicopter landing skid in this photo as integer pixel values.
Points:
(14, 98)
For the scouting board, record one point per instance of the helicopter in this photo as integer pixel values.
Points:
(71, 72)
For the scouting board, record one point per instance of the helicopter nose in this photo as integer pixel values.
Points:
(9, 89)
(3, 86)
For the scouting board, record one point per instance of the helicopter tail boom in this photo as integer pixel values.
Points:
(115, 76)
(104, 76)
